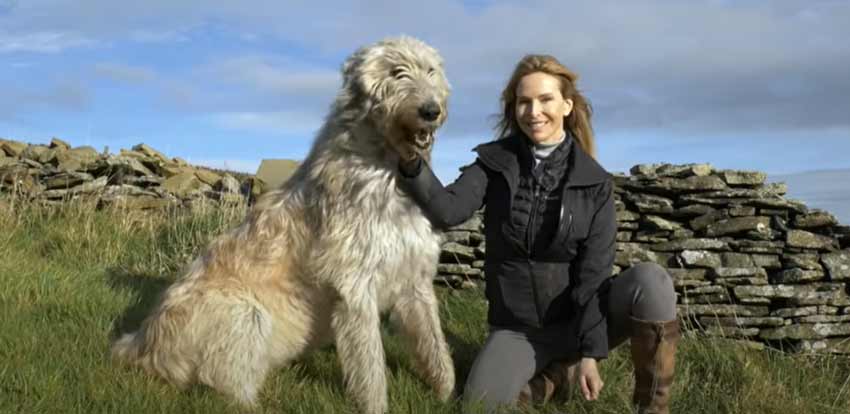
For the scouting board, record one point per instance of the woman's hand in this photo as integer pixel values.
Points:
(589, 379)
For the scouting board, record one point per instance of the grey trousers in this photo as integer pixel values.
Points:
(511, 357)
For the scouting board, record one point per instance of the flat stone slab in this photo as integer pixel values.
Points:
(738, 225)
(625, 215)
(731, 259)
(731, 331)
(85, 188)
(734, 177)
(67, 180)
(456, 252)
(823, 319)
(700, 258)
(629, 254)
(690, 244)
(692, 210)
(757, 246)
(770, 191)
(649, 203)
(658, 223)
(683, 185)
(778, 203)
(684, 170)
(457, 269)
(811, 294)
(806, 331)
(767, 261)
(795, 312)
(797, 275)
(807, 240)
(723, 310)
(739, 281)
(743, 321)
(814, 218)
(837, 264)
(802, 260)
(730, 272)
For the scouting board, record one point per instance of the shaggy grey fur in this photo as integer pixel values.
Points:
(320, 258)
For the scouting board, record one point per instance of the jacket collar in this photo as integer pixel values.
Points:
(503, 155)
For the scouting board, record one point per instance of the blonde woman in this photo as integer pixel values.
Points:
(550, 228)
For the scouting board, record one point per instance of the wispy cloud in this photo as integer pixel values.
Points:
(42, 42)
(125, 73)
(276, 75)
(67, 96)
(280, 122)
(165, 36)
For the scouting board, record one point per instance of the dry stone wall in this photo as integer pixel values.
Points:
(746, 262)
(140, 178)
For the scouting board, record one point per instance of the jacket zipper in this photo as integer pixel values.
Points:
(531, 219)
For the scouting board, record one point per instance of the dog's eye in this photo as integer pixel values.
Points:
(399, 73)
(431, 71)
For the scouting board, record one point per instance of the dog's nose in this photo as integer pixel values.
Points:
(429, 111)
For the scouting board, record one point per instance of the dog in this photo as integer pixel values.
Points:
(320, 258)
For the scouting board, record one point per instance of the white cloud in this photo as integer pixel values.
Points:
(696, 64)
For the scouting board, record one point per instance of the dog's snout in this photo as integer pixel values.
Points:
(429, 111)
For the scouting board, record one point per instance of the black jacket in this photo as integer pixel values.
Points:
(554, 284)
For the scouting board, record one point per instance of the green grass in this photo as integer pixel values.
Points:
(72, 277)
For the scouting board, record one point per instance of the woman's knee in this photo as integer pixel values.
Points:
(651, 277)
(657, 299)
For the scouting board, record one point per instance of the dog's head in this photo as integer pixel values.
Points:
(401, 85)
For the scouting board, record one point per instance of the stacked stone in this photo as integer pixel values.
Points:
(142, 178)
(462, 256)
(746, 262)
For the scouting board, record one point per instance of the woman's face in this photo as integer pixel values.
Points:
(540, 107)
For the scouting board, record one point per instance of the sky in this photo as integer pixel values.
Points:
(745, 84)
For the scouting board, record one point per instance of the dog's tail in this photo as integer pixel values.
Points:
(155, 348)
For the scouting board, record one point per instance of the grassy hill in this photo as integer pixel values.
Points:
(73, 277)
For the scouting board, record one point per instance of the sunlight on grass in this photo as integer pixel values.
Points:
(72, 277)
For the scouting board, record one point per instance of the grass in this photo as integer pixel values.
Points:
(72, 277)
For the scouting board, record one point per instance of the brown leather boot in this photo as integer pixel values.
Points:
(653, 355)
(555, 379)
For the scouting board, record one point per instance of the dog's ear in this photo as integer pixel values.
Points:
(362, 71)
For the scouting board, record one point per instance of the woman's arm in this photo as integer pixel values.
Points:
(592, 267)
(445, 206)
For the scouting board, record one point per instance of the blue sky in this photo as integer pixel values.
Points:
(744, 84)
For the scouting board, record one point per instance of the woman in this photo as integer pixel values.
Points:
(550, 231)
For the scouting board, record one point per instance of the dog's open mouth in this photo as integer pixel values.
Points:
(423, 138)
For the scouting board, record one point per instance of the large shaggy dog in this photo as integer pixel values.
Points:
(318, 259)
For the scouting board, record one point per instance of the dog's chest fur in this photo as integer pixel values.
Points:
(390, 245)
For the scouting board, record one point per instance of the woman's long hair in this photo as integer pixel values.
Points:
(577, 122)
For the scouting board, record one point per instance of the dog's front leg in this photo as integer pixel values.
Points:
(357, 330)
(418, 319)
